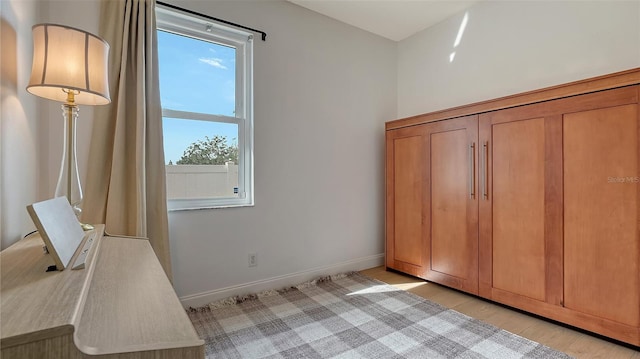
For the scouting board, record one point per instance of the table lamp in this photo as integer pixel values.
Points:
(69, 66)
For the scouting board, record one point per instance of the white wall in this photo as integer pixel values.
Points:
(515, 46)
(323, 91)
(19, 120)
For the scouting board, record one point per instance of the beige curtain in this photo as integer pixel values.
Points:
(125, 187)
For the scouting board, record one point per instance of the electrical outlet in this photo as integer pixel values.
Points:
(253, 259)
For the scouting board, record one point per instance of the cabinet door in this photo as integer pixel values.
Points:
(601, 259)
(559, 225)
(521, 206)
(405, 168)
(431, 205)
(451, 204)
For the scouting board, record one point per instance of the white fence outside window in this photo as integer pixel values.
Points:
(202, 181)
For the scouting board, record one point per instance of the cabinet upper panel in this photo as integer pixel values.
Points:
(615, 97)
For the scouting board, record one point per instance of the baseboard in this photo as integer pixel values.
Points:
(204, 298)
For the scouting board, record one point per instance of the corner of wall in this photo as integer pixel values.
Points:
(19, 120)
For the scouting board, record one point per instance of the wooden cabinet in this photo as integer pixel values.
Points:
(536, 206)
(559, 227)
(432, 207)
(521, 209)
(513, 207)
(452, 204)
(406, 161)
(601, 222)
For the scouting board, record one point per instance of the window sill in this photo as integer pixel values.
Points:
(177, 205)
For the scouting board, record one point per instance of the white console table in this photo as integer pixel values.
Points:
(120, 306)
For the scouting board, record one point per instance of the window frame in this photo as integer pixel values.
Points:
(198, 28)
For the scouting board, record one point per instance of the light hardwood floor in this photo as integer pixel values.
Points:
(573, 342)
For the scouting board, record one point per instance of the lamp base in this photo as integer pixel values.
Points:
(69, 179)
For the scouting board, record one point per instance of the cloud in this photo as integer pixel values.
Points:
(213, 62)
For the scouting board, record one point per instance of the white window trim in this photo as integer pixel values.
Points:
(200, 28)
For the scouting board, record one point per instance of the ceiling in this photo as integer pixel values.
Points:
(393, 19)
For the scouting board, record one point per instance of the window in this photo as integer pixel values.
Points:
(207, 109)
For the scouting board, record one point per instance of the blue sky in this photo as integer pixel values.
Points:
(195, 76)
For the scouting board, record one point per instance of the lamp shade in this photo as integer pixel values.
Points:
(65, 58)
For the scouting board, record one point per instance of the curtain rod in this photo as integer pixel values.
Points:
(264, 34)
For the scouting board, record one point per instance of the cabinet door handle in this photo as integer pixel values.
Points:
(472, 170)
(485, 170)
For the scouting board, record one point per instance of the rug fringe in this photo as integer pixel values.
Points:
(237, 299)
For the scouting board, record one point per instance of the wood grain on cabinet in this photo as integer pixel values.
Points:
(449, 195)
(405, 197)
(517, 154)
(431, 214)
(520, 237)
(601, 259)
(451, 204)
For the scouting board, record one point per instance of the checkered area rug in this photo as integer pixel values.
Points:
(351, 316)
